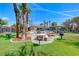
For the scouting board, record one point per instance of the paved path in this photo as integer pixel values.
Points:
(34, 35)
(49, 40)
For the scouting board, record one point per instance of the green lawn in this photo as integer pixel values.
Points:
(67, 47)
(6, 46)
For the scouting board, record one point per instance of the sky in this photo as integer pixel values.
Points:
(54, 12)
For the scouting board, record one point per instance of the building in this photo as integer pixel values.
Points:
(6, 29)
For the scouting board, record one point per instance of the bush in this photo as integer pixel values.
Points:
(10, 54)
(22, 50)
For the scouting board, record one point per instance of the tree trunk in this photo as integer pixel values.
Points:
(17, 20)
(25, 18)
(18, 25)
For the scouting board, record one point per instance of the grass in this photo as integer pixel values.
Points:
(67, 47)
(6, 46)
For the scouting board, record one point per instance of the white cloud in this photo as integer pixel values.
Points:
(72, 10)
(5, 18)
(38, 7)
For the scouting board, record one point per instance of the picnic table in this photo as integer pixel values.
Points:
(42, 37)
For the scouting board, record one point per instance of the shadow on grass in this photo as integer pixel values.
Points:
(35, 45)
(60, 39)
(69, 42)
(77, 44)
(74, 43)
(6, 37)
(10, 54)
(75, 32)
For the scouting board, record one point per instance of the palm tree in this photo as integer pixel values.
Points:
(17, 20)
(25, 16)
(45, 24)
(22, 12)
(54, 26)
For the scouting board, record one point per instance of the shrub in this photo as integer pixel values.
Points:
(22, 50)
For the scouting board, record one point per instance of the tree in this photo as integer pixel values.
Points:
(41, 24)
(14, 25)
(75, 19)
(72, 20)
(3, 22)
(54, 24)
(25, 18)
(17, 20)
(45, 24)
(22, 12)
(66, 25)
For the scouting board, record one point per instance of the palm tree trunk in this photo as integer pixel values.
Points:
(17, 20)
(25, 18)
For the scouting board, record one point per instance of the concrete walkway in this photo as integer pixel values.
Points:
(33, 37)
(49, 40)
